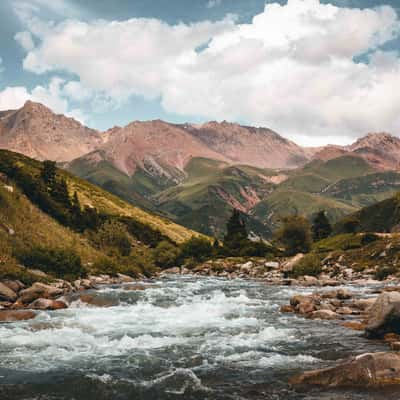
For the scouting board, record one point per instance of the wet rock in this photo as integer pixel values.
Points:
(16, 315)
(98, 301)
(343, 294)
(355, 325)
(286, 308)
(344, 310)
(366, 370)
(395, 346)
(384, 315)
(134, 287)
(289, 264)
(363, 304)
(6, 293)
(246, 267)
(16, 286)
(39, 290)
(48, 304)
(174, 270)
(324, 314)
(271, 265)
(125, 278)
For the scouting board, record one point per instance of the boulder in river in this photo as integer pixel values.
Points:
(384, 315)
(6, 293)
(48, 304)
(39, 290)
(16, 315)
(371, 370)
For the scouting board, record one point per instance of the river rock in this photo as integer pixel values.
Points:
(289, 264)
(384, 316)
(39, 290)
(366, 370)
(6, 293)
(271, 265)
(48, 304)
(98, 301)
(16, 286)
(16, 315)
(324, 314)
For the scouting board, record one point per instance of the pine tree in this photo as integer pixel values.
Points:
(236, 232)
(59, 192)
(321, 227)
(48, 174)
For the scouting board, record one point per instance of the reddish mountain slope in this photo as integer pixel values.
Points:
(34, 130)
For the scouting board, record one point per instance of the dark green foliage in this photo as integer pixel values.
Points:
(310, 265)
(62, 263)
(295, 235)
(236, 230)
(142, 232)
(321, 227)
(48, 174)
(196, 248)
(384, 271)
(113, 238)
(350, 224)
(369, 238)
(166, 254)
(106, 265)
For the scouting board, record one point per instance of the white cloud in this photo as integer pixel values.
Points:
(25, 39)
(292, 68)
(52, 95)
(213, 3)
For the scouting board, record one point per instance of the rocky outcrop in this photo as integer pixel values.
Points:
(366, 370)
(384, 316)
(34, 130)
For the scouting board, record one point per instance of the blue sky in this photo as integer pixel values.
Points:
(315, 71)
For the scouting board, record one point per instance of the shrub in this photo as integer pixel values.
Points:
(295, 235)
(310, 264)
(369, 238)
(62, 263)
(196, 248)
(350, 224)
(140, 261)
(113, 237)
(166, 254)
(384, 271)
(321, 227)
(106, 265)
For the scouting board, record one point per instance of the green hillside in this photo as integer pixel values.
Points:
(383, 216)
(205, 198)
(106, 202)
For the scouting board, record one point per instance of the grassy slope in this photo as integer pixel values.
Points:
(198, 201)
(106, 202)
(36, 228)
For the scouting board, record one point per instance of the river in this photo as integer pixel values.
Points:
(181, 338)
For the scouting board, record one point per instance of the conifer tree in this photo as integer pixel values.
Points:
(321, 227)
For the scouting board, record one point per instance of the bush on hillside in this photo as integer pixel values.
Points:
(113, 238)
(196, 248)
(310, 265)
(61, 263)
(166, 255)
(106, 265)
(295, 235)
(321, 227)
(369, 238)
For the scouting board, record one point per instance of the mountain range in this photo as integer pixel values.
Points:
(196, 173)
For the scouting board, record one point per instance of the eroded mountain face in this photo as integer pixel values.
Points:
(35, 131)
(196, 173)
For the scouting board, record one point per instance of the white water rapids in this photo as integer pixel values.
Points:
(181, 338)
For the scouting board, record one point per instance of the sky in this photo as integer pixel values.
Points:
(315, 71)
